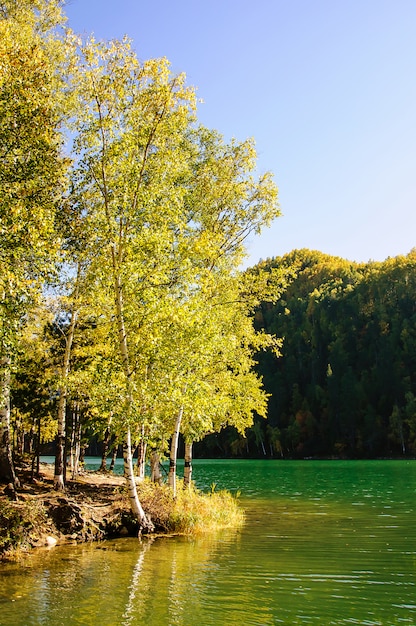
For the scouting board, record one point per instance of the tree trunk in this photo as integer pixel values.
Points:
(136, 507)
(187, 473)
(20, 437)
(31, 441)
(59, 477)
(141, 456)
(82, 451)
(106, 448)
(155, 474)
(35, 449)
(75, 455)
(174, 452)
(7, 471)
(72, 452)
(113, 456)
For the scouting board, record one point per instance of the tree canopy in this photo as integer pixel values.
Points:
(142, 217)
(32, 174)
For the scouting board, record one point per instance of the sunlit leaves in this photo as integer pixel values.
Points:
(168, 206)
(155, 218)
(32, 169)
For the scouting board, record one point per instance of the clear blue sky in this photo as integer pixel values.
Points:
(326, 87)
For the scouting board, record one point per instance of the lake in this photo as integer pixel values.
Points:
(324, 542)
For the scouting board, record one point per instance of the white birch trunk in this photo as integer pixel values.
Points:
(174, 452)
(136, 507)
(187, 472)
(141, 457)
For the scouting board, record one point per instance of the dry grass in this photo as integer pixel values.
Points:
(192, 511)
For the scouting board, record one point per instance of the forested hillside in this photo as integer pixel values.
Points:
(345, 384)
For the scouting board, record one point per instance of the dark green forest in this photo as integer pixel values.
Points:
(345, 383)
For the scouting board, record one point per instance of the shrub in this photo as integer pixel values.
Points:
(20, 523)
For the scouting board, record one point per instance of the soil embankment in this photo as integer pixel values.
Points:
(92, 507)
(95, 506)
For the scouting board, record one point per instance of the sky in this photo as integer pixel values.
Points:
(327, 88)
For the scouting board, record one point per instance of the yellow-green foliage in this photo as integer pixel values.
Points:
(192, 511)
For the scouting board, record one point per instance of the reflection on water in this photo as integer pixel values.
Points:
(323, 543)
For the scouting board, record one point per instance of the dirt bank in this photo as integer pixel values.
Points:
(92, 507)
(95, 506)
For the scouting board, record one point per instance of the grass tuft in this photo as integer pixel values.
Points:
(192, 511)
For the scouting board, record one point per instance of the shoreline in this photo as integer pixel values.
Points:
(95, 506)
(92, 507)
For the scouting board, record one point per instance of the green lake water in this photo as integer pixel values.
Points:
(324, 542)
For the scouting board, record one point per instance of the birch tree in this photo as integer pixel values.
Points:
(169, 206)
(222, 388)
(130, 127)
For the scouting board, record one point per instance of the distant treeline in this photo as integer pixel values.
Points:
(345, 384)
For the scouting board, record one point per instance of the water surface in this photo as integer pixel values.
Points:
(324, 542)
